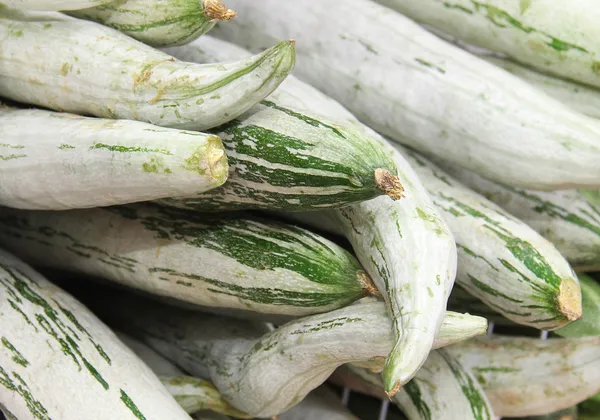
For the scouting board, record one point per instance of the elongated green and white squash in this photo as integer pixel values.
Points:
(320, 404)
(539, 33)
(569, 219)
(159, 23)
(58, 361)
(428, 94)
(528, 376)
(284, 157)
(136, 82)
(236, 261)
(58, 161)
(501, 260)
(441, 390)
(192, 394)
(264, 374)
(419, 255)
(53, 5)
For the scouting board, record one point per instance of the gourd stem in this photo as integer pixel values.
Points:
(389, 183)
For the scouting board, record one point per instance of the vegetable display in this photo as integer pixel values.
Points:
(299, 210)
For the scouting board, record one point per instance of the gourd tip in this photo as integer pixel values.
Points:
(394, 390)
(389, 184)
(569, 299)
(215, 9)
(367, 284)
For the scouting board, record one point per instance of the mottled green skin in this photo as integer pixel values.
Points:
(322, 276)
(159, 24)
(442, 390)
(281, 159)
(502, 261)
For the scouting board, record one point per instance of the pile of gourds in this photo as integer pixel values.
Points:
(188, 229)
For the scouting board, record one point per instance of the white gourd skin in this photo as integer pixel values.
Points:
(99, 71)
(159, 23)
(554, 37)
(528, 376)
(236, 262)
(417, 253)
(568, 219)
(442, 390)
(192, 394)
(264, 374)
(58, 361)
(59, 161)
(581, 98)
(53, 5)
(577, 96)
(501, 260)
(429, 95)
(320, 404)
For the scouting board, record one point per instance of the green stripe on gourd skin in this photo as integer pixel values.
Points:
(108, 162)
(232, 261)
(589, 323)
(528, 376)
(236, 354)
(569, 219)
(286, 160)
(139, 82)
(162, 23)
(442, 390)
(514, 270)
(535, 33)
(45, 331)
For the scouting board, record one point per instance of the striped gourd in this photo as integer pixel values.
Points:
(417, 255)
(569, 219)
(57, 161)
(320, 404)
(528, 376)
(53, 5)
(283, 157)
(192, 394)
(428, 94)
(501, 260)
(441, 390)
(236, 261)
(264, 374)
(539, 33)
(58, 361)
(159, 23)
(136, 81)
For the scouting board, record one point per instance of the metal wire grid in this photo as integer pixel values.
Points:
(385, 404)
